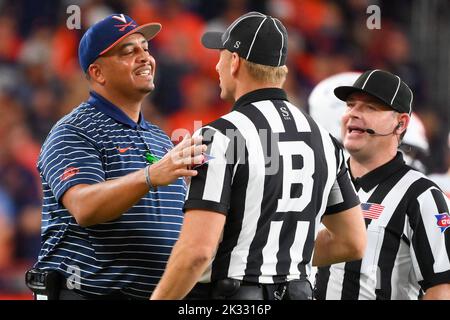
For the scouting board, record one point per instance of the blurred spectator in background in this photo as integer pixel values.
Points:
(200, 106)
(6, 231)
(19, 195)
(180, 51)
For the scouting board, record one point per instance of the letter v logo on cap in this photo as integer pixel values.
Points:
(120, 18)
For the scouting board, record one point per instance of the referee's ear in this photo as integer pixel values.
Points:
(235, 64)
(402, 124)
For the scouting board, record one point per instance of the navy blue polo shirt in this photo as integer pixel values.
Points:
(97, 142)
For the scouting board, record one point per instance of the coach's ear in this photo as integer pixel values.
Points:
(235, 64)
(95, 74)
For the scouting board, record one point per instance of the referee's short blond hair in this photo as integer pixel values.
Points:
(266, 74)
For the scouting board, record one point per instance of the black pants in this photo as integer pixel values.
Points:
(231, 289)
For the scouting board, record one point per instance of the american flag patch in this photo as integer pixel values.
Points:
(371, 210)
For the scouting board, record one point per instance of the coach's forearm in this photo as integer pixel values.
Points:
(105, 201)
(344, 238)
(438, 292)
(185, 266)
(322, 252)
(329, 250)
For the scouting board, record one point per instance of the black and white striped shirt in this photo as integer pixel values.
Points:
(275, 173)
(408, 245)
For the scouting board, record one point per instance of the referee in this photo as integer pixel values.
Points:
(406, 214)
(252, 212)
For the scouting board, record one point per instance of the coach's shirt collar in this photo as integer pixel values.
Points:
(111, 110)
(370, 180)
(260, 95)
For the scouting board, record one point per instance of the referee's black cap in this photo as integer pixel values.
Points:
(387, 87)
(255, 37)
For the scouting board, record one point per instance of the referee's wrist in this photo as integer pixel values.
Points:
(148, 178)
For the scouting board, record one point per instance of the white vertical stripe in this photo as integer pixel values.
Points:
(436, 238)
(282, 41)
(300, 120)
(296, 252)
(334, 287)
(403, 283)
(415, 263)
(234, 24)
(214, 183)
(396, 91)
(367, 284)
(410, 103)
(370, 74)
(254, 37)
(270, 250)
(254, 193)
(271, 114)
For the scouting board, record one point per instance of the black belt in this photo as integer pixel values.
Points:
(233, 289)
(51, 285)
(66, 293)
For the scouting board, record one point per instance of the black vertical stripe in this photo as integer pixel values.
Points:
(350, 285)
(338, 153)
(419, 240)
(442, 206)
(237, 200)
(352, 276)
(320, 178)
(391, 243)
(321, 283)
(197, 187)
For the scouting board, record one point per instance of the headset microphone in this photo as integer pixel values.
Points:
(372, 132)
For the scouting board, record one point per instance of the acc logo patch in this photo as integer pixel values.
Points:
(443, 221)
(69, 173)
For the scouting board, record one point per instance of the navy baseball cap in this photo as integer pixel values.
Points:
(105, 34)
(385, 86)
(255, 37)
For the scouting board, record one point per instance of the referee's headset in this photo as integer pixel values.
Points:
(373, 133)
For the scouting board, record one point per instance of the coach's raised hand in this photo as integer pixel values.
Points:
(178, 162)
